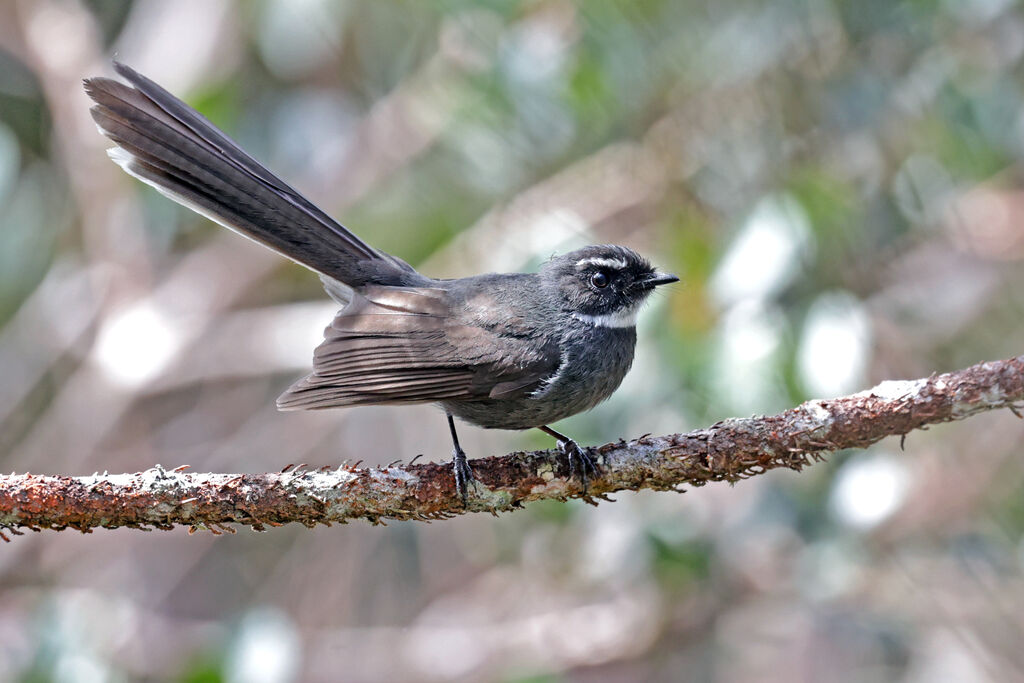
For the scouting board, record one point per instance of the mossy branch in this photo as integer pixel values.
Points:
(729, 450)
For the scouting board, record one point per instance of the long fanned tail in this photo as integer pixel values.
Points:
(167, 144)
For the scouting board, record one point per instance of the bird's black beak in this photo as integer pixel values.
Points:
(655, 279)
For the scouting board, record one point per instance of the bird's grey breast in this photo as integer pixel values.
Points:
(594, 361)
(568, 365)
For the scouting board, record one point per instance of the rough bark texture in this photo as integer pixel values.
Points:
(730, 450)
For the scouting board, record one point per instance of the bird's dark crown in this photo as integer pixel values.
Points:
(605, 283)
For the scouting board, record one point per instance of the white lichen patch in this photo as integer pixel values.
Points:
(327, 480)
(992, 397)
(389, 474)
(895, 389)
(155, 478)
(818, 412)
(491, 499)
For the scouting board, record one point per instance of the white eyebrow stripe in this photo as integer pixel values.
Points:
(615, 263)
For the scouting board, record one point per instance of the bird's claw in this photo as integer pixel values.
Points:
(581, 465)
(463, 474)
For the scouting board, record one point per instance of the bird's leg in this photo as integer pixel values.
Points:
(463, 474)
(581, 465)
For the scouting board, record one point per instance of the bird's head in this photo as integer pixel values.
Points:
(603, 284)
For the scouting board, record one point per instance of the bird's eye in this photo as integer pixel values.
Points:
(599, 280)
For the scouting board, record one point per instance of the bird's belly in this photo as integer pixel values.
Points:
(587, 377)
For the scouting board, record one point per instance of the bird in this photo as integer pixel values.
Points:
(511, 351)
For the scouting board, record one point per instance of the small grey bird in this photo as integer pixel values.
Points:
(500, 351)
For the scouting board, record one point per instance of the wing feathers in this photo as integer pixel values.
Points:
(397, 345)
(316, 391)
(387, 346)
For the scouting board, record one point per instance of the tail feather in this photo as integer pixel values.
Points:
(167, 144)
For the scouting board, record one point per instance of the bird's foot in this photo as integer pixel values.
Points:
(463, 474)
(581, 466)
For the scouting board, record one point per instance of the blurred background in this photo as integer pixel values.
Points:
(839, 184)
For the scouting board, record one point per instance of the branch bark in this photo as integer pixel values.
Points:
(729, 450)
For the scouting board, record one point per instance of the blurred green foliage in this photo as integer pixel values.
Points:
(837, 183)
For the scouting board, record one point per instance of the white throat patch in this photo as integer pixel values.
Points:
(624, 318)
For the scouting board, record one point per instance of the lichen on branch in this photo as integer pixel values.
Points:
(729, 450)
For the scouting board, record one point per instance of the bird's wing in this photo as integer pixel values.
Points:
(169, 145)
(401, 345)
